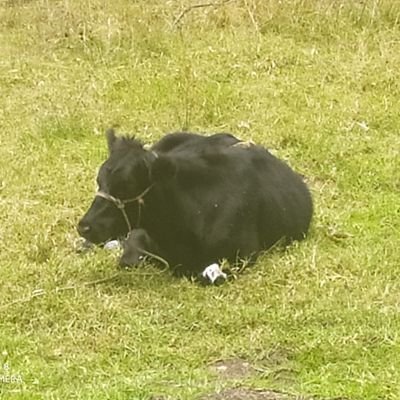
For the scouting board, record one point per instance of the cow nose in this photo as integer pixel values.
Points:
(83, 228)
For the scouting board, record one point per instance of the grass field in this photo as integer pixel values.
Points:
(316, 81)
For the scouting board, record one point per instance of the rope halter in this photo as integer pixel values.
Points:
(120, 204)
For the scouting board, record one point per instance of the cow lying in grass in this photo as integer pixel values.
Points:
(194, 200)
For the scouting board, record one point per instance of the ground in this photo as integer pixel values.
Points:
(317, 82)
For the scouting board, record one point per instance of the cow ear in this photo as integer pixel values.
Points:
(162, 168)
(111, 139)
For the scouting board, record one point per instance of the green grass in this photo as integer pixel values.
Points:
(316, 81)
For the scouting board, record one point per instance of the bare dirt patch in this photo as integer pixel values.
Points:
(234, 368)
(252, 394)
(276, 365)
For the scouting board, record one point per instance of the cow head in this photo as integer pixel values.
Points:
(124, 176)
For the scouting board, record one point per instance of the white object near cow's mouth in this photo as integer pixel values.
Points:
(213, 272)
(112, 245)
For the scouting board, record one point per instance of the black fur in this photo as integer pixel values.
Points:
(211, 198)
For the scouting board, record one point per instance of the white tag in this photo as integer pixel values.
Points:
(213, 272)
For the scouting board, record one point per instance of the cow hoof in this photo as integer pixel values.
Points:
(213, 275)
(129, 263)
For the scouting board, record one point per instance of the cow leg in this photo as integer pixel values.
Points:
(135, 247)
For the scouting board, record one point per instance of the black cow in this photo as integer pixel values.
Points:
(193, 200)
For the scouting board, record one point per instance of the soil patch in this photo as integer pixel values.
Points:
(234, 368)
(252, 394)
